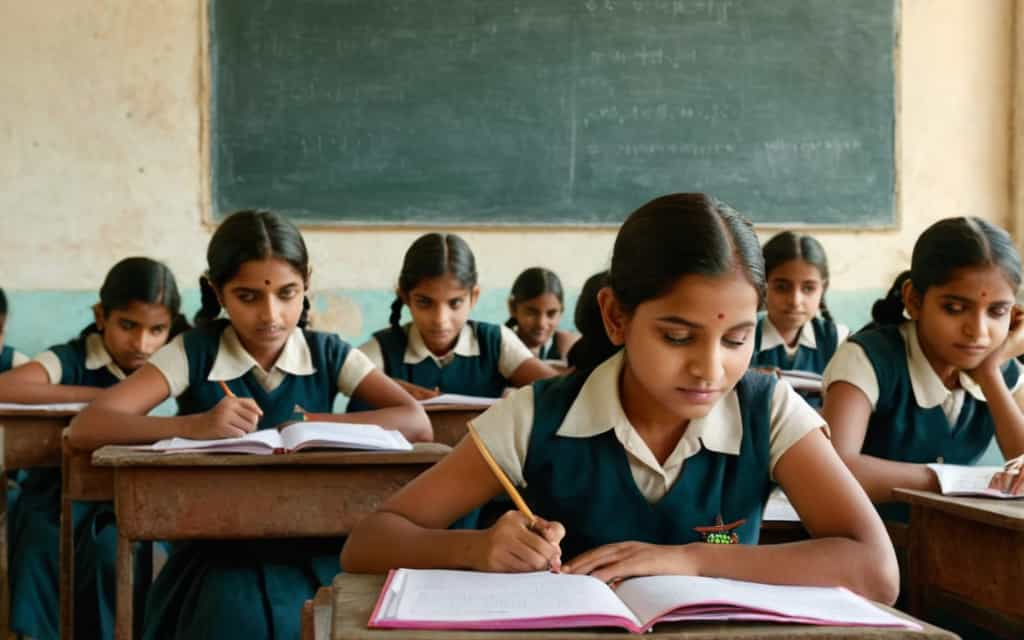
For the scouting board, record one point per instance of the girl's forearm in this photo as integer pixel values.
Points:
(879, 476)
(867, 568)
(1006, 414)
(386, 541)
(95, 427)
(30, 393)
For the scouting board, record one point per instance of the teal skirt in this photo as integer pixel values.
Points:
(34, 560)
(245, 589)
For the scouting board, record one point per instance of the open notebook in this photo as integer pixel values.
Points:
(296, 437)
(437, 599)
(454, 398)
(802, 380)
(960, 480)
(56, 406)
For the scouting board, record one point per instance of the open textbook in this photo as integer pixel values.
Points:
(439, 599)
(295, 437)
(960, 480)
(456, 399)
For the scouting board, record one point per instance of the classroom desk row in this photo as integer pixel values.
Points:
(966, 555)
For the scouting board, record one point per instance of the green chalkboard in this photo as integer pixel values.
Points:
(551, 112)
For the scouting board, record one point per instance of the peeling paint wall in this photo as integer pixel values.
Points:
(100, 158)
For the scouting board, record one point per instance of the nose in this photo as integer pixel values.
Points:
(441, 315)
(705, 362)
(975, 326)
(268, 310)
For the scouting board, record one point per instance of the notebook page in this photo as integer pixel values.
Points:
(668, 597)
(962, 480)
(263, 441)
(452, 596)
(339, 434)
(455, 398)
(55, 406)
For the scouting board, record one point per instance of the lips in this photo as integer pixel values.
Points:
(698, 395)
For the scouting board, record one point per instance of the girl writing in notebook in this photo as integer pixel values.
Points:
(9, 357)
(442, 350)
(137, 313)
(535, 308)
(258, 273)
(797, 332)
(661, 435)
(935, 379)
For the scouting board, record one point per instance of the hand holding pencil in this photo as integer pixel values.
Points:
(232, 417)
(519, 540)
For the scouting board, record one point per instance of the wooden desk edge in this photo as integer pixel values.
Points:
(117, 456)
(991, 511)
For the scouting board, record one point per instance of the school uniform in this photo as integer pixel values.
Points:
(480, 364)
(549, 350)
(915, 418)
(10, 358)
(248, 589)
(568, 443)
(34, 522)
(816, 343)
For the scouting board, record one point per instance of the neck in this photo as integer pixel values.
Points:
(948, 374)
(659, 430)
(265, 357)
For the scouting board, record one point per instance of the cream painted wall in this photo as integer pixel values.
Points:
(100, 154)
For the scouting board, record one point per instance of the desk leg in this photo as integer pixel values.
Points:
(67, 570)
(916, 541)
(125, 591)
(5, 577)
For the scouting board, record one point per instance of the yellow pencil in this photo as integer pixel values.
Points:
(227, 390)
(502, 478)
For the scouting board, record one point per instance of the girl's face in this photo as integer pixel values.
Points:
(686, 349)
(536, 318)
(134, 333)
(440, 307)
(794, 294)
(964, 320)
(264, 301)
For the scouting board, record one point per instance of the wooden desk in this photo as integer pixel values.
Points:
(194, 495)
(29, 438)
(449, 421)
(80, 482)
(966, 557)
(355, 595)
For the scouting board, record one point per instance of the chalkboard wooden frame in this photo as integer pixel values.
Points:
(212, 213)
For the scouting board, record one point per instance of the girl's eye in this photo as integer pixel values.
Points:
(999, 311)
(158, 330)
(247, 297)
(288, 294)
(678, 338)
(809, 289)
(953, 307)
(127, 325)
(735, 341)
(422, 304)
(780, 286)
(455, 304)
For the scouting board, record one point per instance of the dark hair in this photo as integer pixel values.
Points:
(431, 256)
(140, 279)
(245, 236)
(668, 238)
(3, 303)
(587, 318)
(943, 248)
(535, 281)
(786, 246)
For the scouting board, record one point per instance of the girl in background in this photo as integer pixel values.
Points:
(535, 308)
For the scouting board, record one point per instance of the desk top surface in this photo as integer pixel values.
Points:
(120, 456)
(355, 595)
(1008, 514)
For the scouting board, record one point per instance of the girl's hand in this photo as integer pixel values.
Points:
(512, 546)
(231, 418)
(612, 563)
(1012, 347)
(416, 391)
(1011, 478)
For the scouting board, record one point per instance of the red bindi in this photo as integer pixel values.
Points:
(266, 282)
(721, 315)
(984, 294)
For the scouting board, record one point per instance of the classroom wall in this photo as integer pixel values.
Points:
(100, 124)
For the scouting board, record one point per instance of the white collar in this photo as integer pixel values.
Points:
(233, 361)
(97, 356)
(929, 390)
(416, 351)
(771, 337)
(598, 408)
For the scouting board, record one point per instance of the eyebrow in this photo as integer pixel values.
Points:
(682, 322)
(955, 298)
